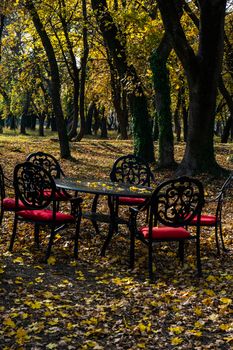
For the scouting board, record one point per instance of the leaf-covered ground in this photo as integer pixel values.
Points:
(98, 303)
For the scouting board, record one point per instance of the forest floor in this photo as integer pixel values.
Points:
(98, 303)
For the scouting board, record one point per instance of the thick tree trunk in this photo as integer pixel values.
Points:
(41, 126)
(143, 142)
(229, 100)
(227, 129)
(55, 80)
(158, 63)
(103, 127)
(72, 68)
(202, 72)
(23, 124)
(177, 116)
(117, 97)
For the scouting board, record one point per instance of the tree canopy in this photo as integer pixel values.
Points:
(57, 60)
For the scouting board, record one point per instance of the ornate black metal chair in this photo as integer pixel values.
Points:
(173, 205)
(134, 170)
(7, 203)
(128, 169)
(215, 220)
(51, 164)
(30, 183)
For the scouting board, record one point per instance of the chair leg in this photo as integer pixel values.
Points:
(150, 261)
(76, 238)
(13, 233)
(132, 250)
(52, 235)
(198, 253)
(93, 209)
(181, 251)
(36, 236)
(107, 240)
(221, 237)
(216, 239)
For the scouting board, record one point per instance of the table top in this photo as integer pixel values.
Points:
(104, 187)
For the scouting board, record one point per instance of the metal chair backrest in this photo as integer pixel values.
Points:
(176, 202)
(30, 183)
(131, 169)
(47, 161)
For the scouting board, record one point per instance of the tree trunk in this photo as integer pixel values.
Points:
(143, 142)
(177, 116)
(83, 73)
(89, 118)
(158, 62)
(103, 127)
(227, 129)
(72, 68)
(202, 72)
(229, 100)
(24, 116)
(55, 80)
(117, 97)
(184, 117)
(41, 124)
(23, 124)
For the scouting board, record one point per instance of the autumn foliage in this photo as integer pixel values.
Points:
(98, 303)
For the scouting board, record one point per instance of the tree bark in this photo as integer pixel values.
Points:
(177, 116)
(158, 63)
(83, 73)
(24, 116)
(117, 97)
(143, 142)
(202, 70)
(55, 79)
(72, 68)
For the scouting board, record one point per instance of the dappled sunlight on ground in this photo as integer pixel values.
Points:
(98, 303)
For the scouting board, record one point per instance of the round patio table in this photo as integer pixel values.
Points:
(112, 190)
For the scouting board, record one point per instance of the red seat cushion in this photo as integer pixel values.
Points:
(9, 204)
(45, 215)
(131, 201)
(205, 220)
(59, 195)
(165, 232)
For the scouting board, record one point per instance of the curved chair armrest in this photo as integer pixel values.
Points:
(134, 211)
(133, 216)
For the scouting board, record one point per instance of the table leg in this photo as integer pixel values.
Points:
(93, 209)
(112, 225)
